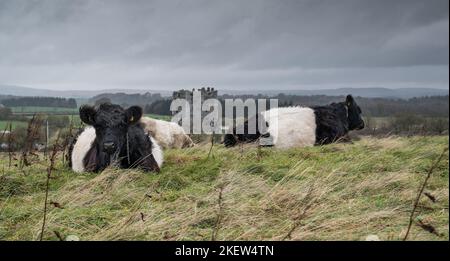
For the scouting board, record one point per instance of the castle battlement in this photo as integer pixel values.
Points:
(207, 93)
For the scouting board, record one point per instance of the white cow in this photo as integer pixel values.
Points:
(167, 134)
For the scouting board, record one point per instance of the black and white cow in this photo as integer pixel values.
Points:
(302, 126)
(114, 135)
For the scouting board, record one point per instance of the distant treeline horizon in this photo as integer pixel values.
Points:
(383, 116)
(39, 102)
(428, 106)
(433, 106)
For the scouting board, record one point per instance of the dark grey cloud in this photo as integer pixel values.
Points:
(228, 44)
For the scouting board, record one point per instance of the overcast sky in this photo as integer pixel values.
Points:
(166, 45)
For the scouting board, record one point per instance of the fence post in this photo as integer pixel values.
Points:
(46, 139)
(9, 145)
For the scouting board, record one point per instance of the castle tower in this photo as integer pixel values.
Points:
(206, 93)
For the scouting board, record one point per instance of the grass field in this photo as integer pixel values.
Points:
(334, 192)
(34, 109)
(69, 111)
(15, 124)
(76, 120)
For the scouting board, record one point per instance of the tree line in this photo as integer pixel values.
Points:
(428, 106)
(435, 106)
(40, 102)
(126, 100)
(423, 115)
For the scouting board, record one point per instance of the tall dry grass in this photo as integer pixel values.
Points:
(336, 192)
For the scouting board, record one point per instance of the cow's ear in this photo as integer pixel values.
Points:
(87, 114)
(134, 114)
(349, 100)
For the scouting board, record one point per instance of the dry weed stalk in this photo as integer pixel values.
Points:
(58, 235)
(8, 127)
(49, 173)
(421, 189)
(258, 151)
(32, 134)
(212, 145)
(219, 213)
(66, 142)
(10, 142)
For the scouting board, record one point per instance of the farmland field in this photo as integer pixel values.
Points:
(34, 109)
(15, 124)
(76, 120)
(69, 111)
(335, 192)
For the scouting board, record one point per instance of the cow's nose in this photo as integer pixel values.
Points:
(109, 147)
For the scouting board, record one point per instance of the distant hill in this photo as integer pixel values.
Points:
(375, 92)
(26, 91)
(4, 97)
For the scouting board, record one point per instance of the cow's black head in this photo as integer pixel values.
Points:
(355, 120)
(111, 123)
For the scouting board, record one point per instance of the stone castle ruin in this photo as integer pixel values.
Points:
(206, 93)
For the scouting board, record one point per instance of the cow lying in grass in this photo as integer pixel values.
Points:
(301, 126)
(114, 136)
(168, 134)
